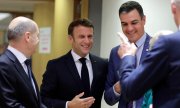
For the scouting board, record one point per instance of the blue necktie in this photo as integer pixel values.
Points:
(28, 64)
(85, 77)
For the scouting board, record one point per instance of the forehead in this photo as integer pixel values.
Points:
(81, 29)
(130, 16)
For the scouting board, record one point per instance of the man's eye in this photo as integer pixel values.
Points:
(134, 23)
(124, 25)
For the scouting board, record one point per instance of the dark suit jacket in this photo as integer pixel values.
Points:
(113, 76)
(160, 71)
(16, 90)
(61, 81)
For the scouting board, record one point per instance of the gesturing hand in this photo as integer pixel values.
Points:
(126, 49)
(78, 102)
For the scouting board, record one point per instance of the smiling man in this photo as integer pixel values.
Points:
(77, 79)
(132, 21)
(160, 70)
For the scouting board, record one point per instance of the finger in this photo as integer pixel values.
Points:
(80, 95)
(89, 100)
(89, 103)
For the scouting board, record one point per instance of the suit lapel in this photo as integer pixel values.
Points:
(95, 71)
(145, 48)
(73, 70)
(21, 71)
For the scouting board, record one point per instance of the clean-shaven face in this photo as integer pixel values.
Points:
(34, 40)
(132, 25)
(82, 40)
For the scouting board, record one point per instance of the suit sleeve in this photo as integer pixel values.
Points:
(49, 88)
(110, 97)
(135, 82)
(8, 98)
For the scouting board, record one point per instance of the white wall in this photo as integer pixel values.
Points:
(158, 17)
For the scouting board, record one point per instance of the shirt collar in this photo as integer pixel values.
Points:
(20, 56)
(76, 57)
(141, 41)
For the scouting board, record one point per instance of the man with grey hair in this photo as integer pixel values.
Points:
(18, 87)
(160, 70)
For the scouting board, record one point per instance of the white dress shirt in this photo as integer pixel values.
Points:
(78, 64)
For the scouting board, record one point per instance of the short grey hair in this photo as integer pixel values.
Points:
(157, 35)
(18, 26)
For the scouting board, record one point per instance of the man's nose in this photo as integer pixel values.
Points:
(130, 28)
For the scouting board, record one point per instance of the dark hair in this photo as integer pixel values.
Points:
(82, 22)
(131, 5)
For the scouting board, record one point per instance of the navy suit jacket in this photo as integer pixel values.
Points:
(61, 81)
(113, 76)
(16, 90)
(160, 70)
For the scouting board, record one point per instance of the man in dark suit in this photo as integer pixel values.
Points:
(17, 88)
(160, 70)
(132, 20)
(63, 84)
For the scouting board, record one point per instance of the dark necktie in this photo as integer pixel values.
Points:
(28, 64)
(85, 77)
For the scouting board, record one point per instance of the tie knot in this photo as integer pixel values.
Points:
(27, 62)
(82, 60)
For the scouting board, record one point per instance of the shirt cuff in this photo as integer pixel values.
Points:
(66, 104)
(127, 54)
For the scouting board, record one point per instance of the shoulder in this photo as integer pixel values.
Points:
(148, 36)
(170, 39)
(4, 62)
(114, 53)
(60, 59)
(98, 59)
(115, 49)
(4, 59)
(7, 65)
(174, 36)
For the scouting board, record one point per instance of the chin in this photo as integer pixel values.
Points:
(85, 53)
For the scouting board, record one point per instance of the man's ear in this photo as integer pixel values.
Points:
(173, 8)
(144, 19)
(70, 38)
(27, 36)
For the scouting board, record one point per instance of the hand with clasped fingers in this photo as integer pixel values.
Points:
(78, 102)
(127, 49)
(117, 87)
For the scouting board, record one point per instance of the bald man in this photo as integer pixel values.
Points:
(18, 87)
